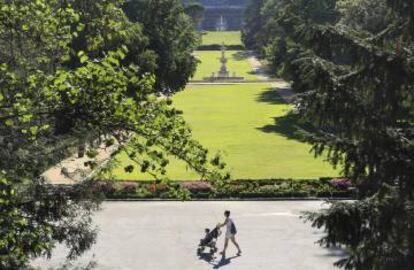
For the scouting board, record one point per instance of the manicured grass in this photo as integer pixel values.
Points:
(249, 124)
(237, 62)
(228, 37)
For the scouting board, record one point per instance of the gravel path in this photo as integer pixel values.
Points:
(283, 88)
(72, 170)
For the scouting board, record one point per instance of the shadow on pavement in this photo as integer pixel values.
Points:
(336, 252)
(209, 258)
(224, 261)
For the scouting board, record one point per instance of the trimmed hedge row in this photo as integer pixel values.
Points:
(217, 47)
(242, 189)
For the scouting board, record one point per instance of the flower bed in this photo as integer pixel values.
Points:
(237, 189)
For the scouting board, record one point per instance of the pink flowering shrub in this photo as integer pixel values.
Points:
(197, 186)
(158, 188)
(341, 183)
(129, 187)
(106, 187)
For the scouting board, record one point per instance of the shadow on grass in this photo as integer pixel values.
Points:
(240, 56)
(290, 126)
(270, 96)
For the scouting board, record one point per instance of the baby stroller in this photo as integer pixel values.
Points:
(209, 241)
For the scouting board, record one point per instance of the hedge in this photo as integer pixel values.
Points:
(217, 47)
(237, 189)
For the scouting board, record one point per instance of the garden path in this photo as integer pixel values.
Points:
(165, 235)
(72, 169)
(283, 88)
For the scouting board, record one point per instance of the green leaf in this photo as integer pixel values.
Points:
(9, 122)
(83, 58)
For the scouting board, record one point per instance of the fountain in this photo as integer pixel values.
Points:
(223, 74)
(221, 25)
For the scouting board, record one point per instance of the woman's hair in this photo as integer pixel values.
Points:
(227, 213)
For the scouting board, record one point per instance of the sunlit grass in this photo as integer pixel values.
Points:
(250, 125)
(227, 37)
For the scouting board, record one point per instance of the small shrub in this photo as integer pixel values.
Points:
(144, 193)
(129, 188)
(341, 183)
(197, 186)
(158, 188)
(105, 187)
(176, 191)
(268, 189)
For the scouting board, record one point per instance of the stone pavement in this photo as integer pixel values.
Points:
(165, 235)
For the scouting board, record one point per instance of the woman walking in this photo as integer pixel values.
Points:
(230, 233)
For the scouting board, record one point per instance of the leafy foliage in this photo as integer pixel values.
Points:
(358, 80)
(70, 75)
(390, 247)
(171, 36)
(195, 10)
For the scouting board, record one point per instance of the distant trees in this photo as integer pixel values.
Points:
(196, 11)
(171, 37)
(254, 25)
(72, 71)
(358, 80)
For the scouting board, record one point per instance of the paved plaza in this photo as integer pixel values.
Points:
(165, 235)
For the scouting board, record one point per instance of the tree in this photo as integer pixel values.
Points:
(361, 86)
(271, 41)
(364, 15)
(101, 93)
(253, 25)
(171, 36)
(196, 11)
(102, 26)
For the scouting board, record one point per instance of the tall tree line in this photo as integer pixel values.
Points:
(353, 62)
(71, 71)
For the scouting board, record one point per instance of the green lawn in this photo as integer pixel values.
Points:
(237, 62)
(250, 125)
(228, 37)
